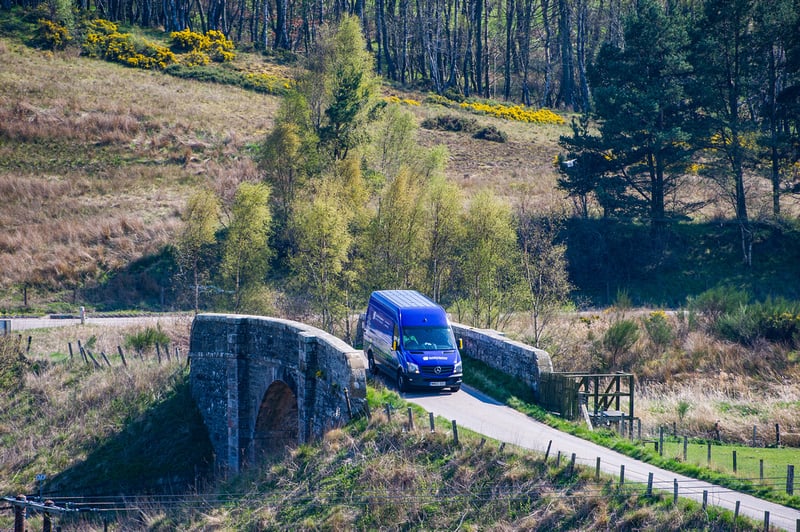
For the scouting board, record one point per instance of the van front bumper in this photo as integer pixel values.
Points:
(428, 381)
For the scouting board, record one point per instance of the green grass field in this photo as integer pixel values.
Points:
(759, 465)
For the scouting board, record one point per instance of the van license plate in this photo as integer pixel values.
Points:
(437, 383)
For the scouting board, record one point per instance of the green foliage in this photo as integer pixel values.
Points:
(322, 248)
(619, 338)
(489, 259)
(715, 302)
(341, 89)
(774, 320)
(658, 329)
(147, 339)
(246, 250)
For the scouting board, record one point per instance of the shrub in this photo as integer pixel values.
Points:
(195, 58)
(658, 329)
(450, 123)
(51, 35)
(619, 338)
(713, 303)
(741, 325)
(104, 41)
(514, 112)
(213, 46)
(187, 40)
(146, 339)
(490, 133)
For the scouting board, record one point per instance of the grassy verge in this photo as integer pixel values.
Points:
(719, 471)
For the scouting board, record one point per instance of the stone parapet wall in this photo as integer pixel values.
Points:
(509, 356)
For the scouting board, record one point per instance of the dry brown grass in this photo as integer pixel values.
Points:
(720, 382)
(99, 160)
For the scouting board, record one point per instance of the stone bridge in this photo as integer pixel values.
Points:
(264, 383)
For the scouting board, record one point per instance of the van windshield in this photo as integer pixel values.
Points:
(428, 338)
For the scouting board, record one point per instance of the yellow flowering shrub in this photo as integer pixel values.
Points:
(188, 40)
(103, 40)
(214, 44)
(515, 112)
(195, 58)
(52, 35)
(402, 101)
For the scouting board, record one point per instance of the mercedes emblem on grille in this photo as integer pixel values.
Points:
(437, 370)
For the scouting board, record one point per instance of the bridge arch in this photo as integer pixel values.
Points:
(258, 379)
(276, 426)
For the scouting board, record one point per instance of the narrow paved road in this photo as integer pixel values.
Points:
(22, 324)
(482, 414)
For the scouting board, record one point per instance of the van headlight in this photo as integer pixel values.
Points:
(412, 368)
(457, 368)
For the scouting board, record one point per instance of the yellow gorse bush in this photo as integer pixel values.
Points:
(398, 100)
(53, 35)
(518, 113)
(103, 40)
(214, 44)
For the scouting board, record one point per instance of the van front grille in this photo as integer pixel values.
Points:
(431, 370)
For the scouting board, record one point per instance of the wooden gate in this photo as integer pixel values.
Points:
(607, 396)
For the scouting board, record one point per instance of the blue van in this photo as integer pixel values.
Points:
(408, 337)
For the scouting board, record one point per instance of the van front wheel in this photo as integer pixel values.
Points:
(372, 367)
(402, 383)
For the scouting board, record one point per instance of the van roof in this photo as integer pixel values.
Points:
(413, 307)
(404, 299)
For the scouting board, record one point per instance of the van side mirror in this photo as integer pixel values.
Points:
(461, 343)
(394, 345)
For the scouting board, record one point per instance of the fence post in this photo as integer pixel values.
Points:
(572, 464)
(675, 491)
(122, 356)
(754, 435)
(736, 512)
(19, 515)
(777, 435)
(660, 441)
(685, 445)
(650, 484)
(790, 479)
(734, 462)
(430, 419)
(547, 452)
(47, 524)
(558, 459)
(621, 475)
(388, 413)
(708, 459)
(455, 432)
(639, 425)
(761, 472)
(70, 349)
(705, 499)
(766, 521)
(410, 420)
(597, 469)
